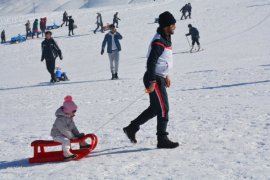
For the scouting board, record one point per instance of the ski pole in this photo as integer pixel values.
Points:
(188, 42)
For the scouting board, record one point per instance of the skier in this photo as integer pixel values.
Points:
(42, 26)
(65, 19)
(35, 29)
(99, 23)
(156, 79)
(64, 128)
(50, 51)
(70, 25)
(28, 29)
(184, 11)
(113, 47)
(189, 8)
(3, 37)
(115, 19)
(194, 36)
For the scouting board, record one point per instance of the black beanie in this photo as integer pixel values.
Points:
(166, 19)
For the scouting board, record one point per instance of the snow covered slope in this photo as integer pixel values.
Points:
(219, 99)
(11, 7)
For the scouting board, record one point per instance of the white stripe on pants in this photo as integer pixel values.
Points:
(114, 61)
(65, 144)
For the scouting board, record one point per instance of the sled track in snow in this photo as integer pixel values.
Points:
(241, 32)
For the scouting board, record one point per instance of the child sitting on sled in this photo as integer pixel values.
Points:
(61, 76)
(64, 128)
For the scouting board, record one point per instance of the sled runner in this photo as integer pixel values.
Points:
(41, 156)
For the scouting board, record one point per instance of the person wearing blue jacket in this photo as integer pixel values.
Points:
(113, 48)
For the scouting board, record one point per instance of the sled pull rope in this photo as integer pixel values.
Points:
(117, 114)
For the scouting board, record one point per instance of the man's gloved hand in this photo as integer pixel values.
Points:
(81, 135)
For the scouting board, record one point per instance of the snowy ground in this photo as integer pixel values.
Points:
(219, 99)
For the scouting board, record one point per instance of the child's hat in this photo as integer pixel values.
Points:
(69, 106)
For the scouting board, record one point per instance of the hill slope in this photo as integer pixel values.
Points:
(219, 99)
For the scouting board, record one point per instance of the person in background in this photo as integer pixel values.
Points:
(3, 37)
(50, 51)
(195, 36)
(99, 23)
(35, 29)
(65, 19)
(116, 19)
(189, 9)
(113, 48)
(70, 25)
(28, 29)
(42, 26)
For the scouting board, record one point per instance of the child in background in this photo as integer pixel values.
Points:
(64, 128)
(61, 76)
(3, 37)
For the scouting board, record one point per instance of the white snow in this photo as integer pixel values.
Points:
(219, 99)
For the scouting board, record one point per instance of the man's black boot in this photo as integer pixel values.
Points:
(130, 131)
(164, 142)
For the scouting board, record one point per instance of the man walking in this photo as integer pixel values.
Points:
(116, 19)
(189, 8)
(65, 19)
(184, 11)
(113, 48)
(28, 29)
(156, 80)
(50, 51)
(70, 25)
(42, 26)
(194, 37)
(3, 37)
(99, 23)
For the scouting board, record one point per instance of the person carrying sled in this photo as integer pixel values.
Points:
(64, 128)
(156, 79)
(189, 9)
(116, 19)
(65, 19)
(42, 26)
(194, 37)
(113, 48)
(70, 25)
(35, 29)
(50, 51)
(3, 37)
(99, 23)
(28, 29)
(184, 11)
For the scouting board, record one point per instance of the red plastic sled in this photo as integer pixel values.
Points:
(40, 156)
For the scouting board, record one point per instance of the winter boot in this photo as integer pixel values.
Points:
(113, 76)
(69, 158)
(116, 76)
(131, 133)
(191, 49)
(199, 47)
(52, 81)
(164, 142)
